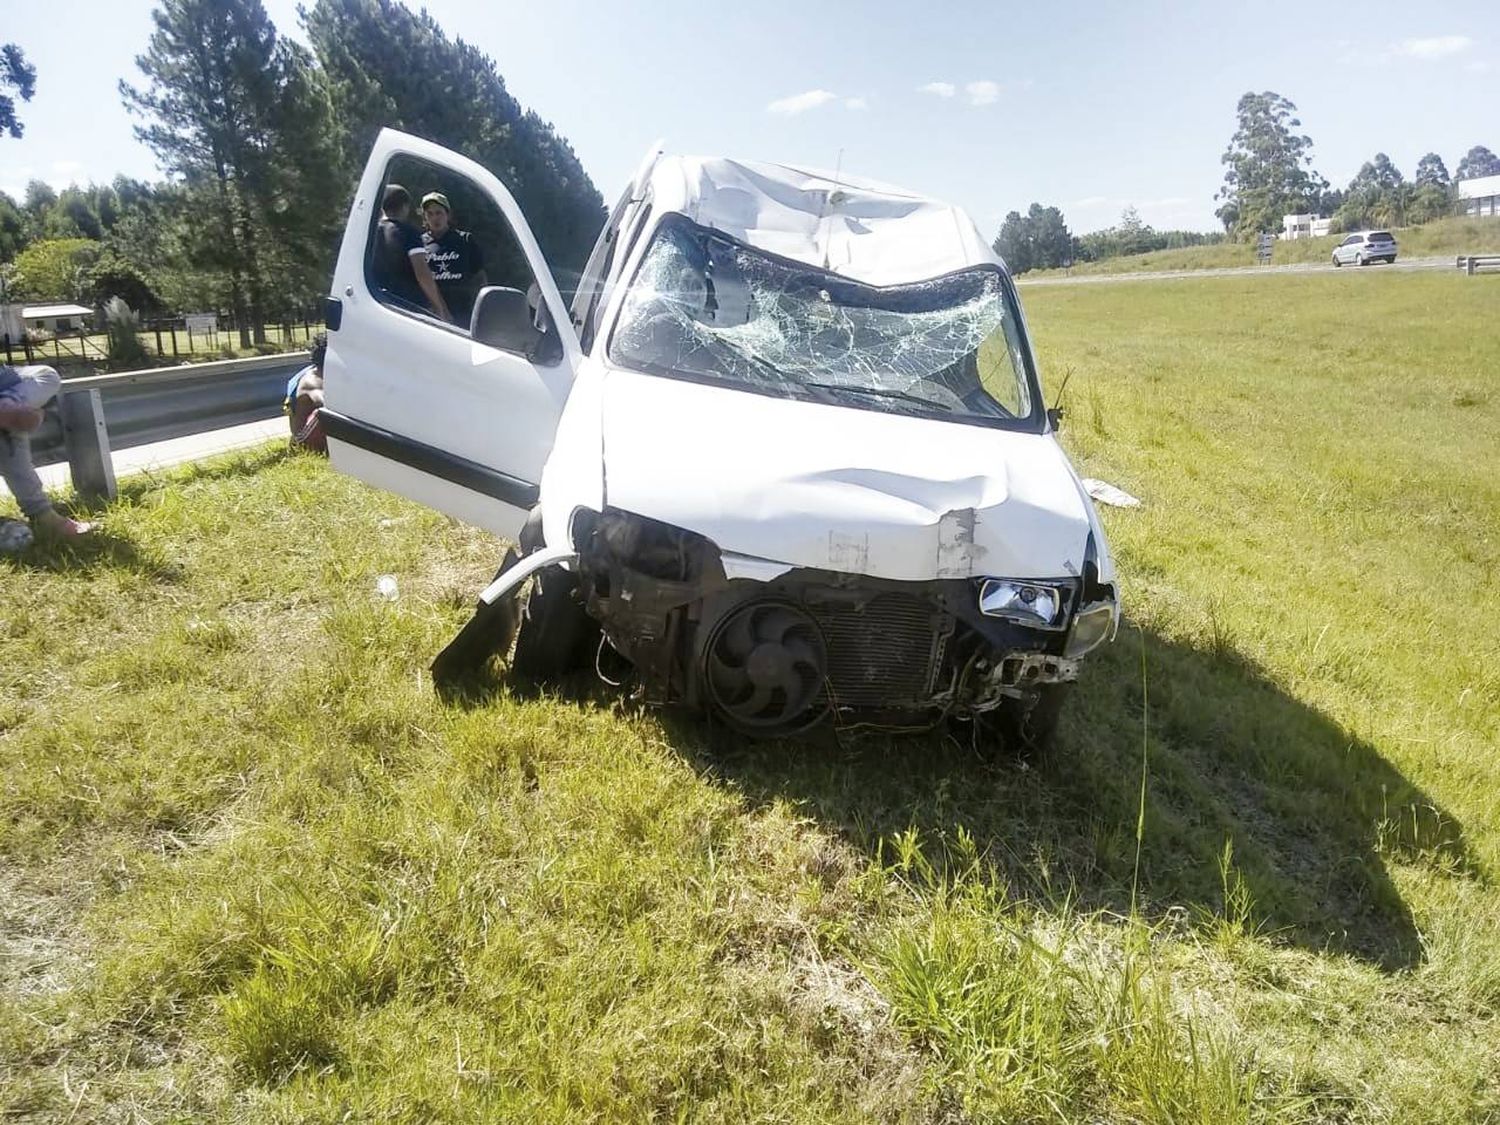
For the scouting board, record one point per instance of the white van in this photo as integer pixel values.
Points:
(784, 457)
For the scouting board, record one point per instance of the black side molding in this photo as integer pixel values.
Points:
(429, 459)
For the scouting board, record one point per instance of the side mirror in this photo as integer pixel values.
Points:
(1054, 417)
(502, 320)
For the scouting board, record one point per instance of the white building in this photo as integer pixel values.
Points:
(57, 318)
(1305, 226)
(1481, 196)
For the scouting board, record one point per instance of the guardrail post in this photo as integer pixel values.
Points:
(1469, 266)
(87, 443)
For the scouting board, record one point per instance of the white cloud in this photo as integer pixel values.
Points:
(801, 103)
(982, 92)
(1435, 47)
(1477, 67)
(941, 89)
(856, 103)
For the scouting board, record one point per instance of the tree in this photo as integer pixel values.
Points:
(1039, 240)
(1430, 201)
(1329, 200)
(1268, 173)
(236, 113)
(1379, 174)
(1478, 161)
(1012, 243)
(1432, 170)
(12, 228)
(19, 75)
(379, 59)
(112, 277)
(1133, 236)
(54, 269)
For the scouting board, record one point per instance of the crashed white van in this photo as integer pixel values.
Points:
(785, 460)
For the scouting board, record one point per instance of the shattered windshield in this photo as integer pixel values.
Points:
(705, 307)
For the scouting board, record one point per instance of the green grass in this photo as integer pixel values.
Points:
(1440, 238)
(253, 868)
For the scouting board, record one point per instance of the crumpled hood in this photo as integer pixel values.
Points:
(838, 488)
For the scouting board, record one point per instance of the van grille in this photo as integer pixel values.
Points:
(883, 653)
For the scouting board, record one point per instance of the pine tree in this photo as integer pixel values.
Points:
(379, 58)
(19, 75)
(237, 113)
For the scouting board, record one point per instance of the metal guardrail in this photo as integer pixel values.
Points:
(97, 413)
(1472, 263)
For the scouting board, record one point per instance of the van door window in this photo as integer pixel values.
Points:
(436, 240)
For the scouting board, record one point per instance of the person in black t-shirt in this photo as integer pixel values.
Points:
(399, 260)
(456, 261)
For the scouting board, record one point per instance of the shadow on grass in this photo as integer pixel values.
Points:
(105, 549)
(1312, 813)
(97, 551)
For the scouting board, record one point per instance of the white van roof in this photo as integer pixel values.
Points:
(867, 231)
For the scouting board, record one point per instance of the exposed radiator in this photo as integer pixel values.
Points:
(882, 653)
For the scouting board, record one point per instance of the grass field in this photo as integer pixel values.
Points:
(252, 868)
(1442, 238)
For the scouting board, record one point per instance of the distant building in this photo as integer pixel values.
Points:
(1481, 196)
(57, 318)
(1305, 226)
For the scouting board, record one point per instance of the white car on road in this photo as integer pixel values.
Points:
(1365, 247)
(784, 459)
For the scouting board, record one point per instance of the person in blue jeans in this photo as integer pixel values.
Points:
(23, 393)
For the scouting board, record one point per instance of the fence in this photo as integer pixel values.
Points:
(162, 339)
(96, 414)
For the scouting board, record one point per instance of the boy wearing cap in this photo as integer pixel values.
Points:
(454, 257)
(399, 260)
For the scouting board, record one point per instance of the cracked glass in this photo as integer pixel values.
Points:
(706, 307)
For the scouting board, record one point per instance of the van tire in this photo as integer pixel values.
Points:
(555, 633)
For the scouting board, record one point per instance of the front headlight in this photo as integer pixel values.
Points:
(1025, 603)
(1092, 626)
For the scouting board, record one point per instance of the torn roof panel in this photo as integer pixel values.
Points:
(867, 231)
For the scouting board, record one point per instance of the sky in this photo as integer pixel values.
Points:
(993, 106)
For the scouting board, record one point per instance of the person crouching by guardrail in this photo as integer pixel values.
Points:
(23, 393)
(304, 395)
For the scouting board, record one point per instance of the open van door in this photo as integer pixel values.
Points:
(418, 405)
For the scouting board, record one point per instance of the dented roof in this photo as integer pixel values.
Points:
(867, 231)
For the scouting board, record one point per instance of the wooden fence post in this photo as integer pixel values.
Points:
(87, 443)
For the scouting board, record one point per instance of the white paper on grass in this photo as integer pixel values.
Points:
(1108, 494)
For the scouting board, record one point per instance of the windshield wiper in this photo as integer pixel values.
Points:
(882, 392)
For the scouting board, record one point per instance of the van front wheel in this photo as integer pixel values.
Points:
(556, 634)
